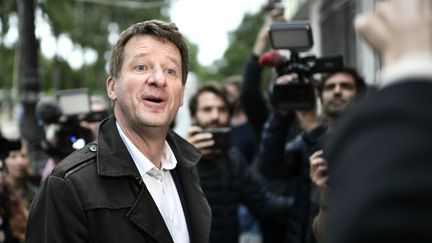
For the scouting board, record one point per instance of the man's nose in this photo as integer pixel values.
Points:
(214, 114)
(157, 77)
(337, 89)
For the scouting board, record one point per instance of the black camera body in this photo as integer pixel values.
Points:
(221, 137)
(66, 113)
(300, 94)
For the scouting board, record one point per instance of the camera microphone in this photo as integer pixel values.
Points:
(271, 59)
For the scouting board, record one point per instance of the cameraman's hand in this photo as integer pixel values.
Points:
(399, 30)
(276, 15)
(318, 170)
(202, 141)
(286, 79)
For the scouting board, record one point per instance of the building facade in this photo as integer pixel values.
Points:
(334, 34)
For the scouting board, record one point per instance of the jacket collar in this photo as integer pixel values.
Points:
(113, 158)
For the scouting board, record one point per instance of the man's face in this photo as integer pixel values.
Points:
(212, 111)
(149, 89)
(338, 92)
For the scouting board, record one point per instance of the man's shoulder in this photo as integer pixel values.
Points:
(76, 161)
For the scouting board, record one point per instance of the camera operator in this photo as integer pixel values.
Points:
(225, 176)
(280, 158)
(257, 107)
(66, 133)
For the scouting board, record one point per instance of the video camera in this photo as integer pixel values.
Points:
(300, 94)
(61, 120)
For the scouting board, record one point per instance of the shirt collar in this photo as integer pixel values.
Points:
(168, 160)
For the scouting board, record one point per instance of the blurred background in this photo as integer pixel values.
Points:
(51, 45)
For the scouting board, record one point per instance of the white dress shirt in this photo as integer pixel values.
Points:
(161, 186)
(414, 66)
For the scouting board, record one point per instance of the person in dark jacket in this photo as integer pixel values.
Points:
(225, 176)
(380, 171)
(138, 182)
(280, 158)
(256, 105)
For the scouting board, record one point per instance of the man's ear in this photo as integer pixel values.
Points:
(110, 84)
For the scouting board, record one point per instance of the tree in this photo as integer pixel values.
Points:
(240, 48)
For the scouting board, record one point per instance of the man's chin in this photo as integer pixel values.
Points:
(155, 122)
(334, 113)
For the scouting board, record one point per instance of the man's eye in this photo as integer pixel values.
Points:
(329, 87)
(171, 71)
(140, 68)
(207, 109)
(347, 86)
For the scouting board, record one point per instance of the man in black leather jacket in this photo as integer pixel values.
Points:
(225, 176)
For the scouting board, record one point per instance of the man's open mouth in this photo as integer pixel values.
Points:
(155, 100)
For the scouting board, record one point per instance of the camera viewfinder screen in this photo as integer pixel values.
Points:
(74, 103)
(291, 39)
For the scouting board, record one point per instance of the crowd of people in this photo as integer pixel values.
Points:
(353, 167)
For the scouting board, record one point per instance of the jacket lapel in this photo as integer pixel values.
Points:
(197, 206)
(196, 203)
(114, 160)
(145, 214)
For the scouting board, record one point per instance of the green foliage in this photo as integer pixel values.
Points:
(242, 41)
(6, 7)
(7, 57)
(238, 52)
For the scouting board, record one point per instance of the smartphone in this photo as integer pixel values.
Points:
(221, 136)
(293, 35)
(74, 101)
